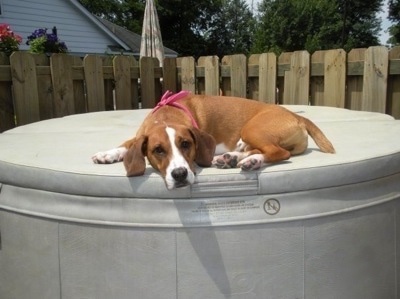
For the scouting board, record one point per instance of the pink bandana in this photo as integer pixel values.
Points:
(170, 99)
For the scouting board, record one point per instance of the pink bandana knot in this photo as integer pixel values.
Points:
(170, 99)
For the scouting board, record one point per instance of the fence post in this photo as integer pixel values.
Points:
(376, 69)
(24, 78)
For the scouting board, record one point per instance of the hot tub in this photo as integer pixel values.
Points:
(316, 226)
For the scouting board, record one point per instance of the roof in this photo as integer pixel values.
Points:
(130, 38)
(100, 25)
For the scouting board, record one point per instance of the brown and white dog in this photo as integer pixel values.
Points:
(185, 129)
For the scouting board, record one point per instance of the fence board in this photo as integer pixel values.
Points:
(238, 75)
(298, 87)
(253, 77)
(6, 100)
(201, 78)
(108, 75)
(122, 81)
(226, 80)
(236, 83)
(44, 86)
(147, 79)
(23, 72)
(188, 74)
(93, 70)
(355, 83)
(283, 68)
(63, 89)
(317, 82)
(335, 78)
(287, 98)
(211, 75)
(79, 88)
(135, 84)
(170, 75)
(268, 73)
(394, 86)
(376, 68)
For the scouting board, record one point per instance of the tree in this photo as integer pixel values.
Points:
(125, 13)
(232, 30)
(290, 25)
(360, 23)
(184, 23)
(394, 16)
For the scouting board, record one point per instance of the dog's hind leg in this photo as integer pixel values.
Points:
(275, 139)
(266, 146)
(265, 139)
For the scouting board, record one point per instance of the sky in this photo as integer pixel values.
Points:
(384, 36)
(385, 24)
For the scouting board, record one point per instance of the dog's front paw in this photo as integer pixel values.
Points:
(227, 160)
(110, 156)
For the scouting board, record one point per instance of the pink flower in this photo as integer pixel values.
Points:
(9, 41)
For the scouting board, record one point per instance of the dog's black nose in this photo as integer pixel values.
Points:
(179, 174)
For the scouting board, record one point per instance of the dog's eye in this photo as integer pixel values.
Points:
(158, 150)
(185, 144)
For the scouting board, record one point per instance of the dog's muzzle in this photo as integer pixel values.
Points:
(180, 175)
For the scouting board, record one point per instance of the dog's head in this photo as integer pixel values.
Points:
(173, 151)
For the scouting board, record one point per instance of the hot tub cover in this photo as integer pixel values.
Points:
(52, 160)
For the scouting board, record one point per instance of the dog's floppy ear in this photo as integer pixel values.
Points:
(205, 147)
(134, 159)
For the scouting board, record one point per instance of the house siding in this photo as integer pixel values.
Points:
(77, 30)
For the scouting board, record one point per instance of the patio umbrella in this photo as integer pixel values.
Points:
(151, 44)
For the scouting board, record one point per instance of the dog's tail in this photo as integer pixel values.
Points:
(316, 134)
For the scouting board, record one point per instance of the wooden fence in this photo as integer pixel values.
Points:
(36, 87)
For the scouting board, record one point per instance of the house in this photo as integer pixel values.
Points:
(132, 39)
(82, 32)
